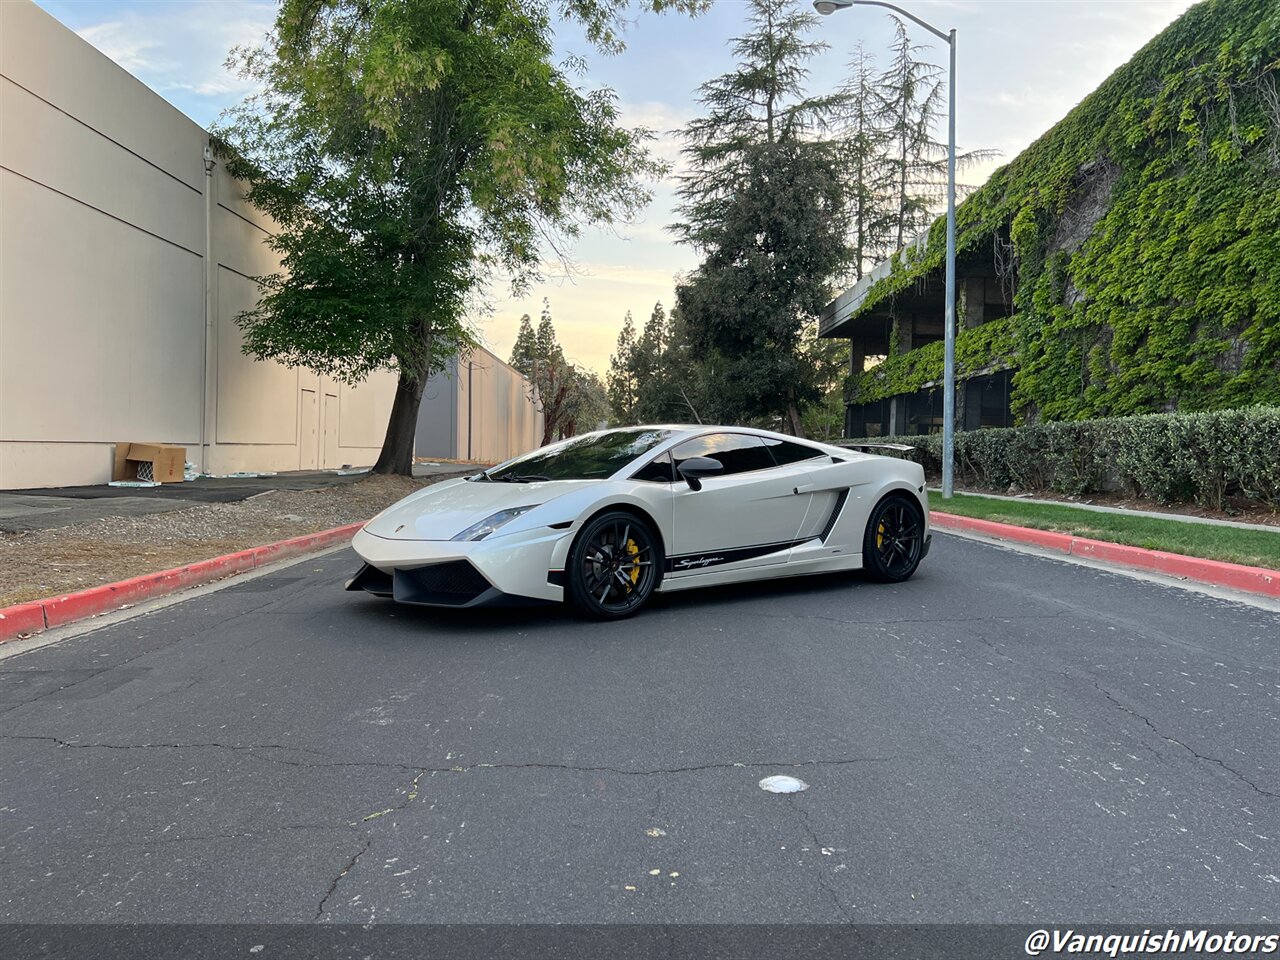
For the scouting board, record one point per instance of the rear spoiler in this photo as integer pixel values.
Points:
(900, 447)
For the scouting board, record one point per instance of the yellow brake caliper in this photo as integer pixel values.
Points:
(880, 535)
(633, 552)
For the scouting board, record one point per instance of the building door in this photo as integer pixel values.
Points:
(330, 430)
(308, 428)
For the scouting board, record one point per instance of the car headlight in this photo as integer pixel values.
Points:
(478, 531)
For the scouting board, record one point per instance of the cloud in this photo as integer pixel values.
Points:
(180, 49)
(611, 273)
(665, 120)
(123, 45)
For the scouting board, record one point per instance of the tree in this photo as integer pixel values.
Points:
(679, 384)
(525, 350)
(405, 150)
(765, 204)
(829, 359)
(622, 384)
(659, 367)
(651, 346)
(911, 94)
(864, 144)
(569, 395)
(588, 403)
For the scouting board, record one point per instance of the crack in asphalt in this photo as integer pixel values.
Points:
(422, 769)
(73, 745)
(410, 794)
(824, 881)
(994, 649)
(663, 771)
(1191, 750)
(368, 842)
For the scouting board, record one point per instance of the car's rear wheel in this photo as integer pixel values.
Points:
(613, 566)
(894, 541)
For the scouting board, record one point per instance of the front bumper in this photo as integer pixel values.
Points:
(454, 583)
(445, 573)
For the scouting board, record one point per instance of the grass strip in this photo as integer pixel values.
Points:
(1254, 548)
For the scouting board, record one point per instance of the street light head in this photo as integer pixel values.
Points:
(827, 7)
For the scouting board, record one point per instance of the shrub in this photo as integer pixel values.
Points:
(1205, 458)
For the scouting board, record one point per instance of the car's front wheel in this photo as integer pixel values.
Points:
(613, 566)
(894, 542)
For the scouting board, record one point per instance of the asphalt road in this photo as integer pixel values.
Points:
(1004, 738)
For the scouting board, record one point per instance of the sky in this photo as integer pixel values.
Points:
(1021, 65)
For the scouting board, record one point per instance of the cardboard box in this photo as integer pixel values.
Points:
(163, 463)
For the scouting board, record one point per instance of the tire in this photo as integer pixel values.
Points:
(894, 541)
(614, 566)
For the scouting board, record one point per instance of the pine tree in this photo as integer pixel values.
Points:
(669, 382)
(570, 396)
(864, 147)
(622, 384)
(525, 351)
(912, 94)
(765, 204)
(646, 364)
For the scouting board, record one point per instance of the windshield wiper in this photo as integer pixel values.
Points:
(520, 478)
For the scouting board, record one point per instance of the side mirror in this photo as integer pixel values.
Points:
(695, 468)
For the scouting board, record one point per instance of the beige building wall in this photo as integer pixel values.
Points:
(124, 259)
(498, 417)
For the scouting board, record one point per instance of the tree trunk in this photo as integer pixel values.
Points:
(794, 421)
(397, 447)
(793, 415)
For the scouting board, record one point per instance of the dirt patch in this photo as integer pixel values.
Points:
(45, 563)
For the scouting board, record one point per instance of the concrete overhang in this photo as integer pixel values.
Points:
(844, 317)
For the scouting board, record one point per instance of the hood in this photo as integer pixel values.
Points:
(443, 510)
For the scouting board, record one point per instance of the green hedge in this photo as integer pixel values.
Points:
(1170, 458)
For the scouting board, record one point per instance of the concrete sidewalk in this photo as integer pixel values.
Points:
(22, 510)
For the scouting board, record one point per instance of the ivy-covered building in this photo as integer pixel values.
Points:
(1127, 262)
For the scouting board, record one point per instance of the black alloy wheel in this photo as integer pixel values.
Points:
(613, 566)
(893, 544)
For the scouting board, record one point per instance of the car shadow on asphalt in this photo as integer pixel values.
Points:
(507, 620)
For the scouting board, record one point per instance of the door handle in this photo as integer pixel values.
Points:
(803, 488)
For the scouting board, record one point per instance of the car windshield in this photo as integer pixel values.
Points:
(593, 456)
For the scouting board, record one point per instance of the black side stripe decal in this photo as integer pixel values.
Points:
(835, 515)
(715, 558)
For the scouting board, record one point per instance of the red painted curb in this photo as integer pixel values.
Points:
(304, 544)
(1236, 576)
(20, 619)
(1040, 538)
(38, 615)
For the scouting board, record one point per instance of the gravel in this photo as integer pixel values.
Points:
(44, 563)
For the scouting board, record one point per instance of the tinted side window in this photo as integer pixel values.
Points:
(784, 451)
(738, 452)
(658, 470)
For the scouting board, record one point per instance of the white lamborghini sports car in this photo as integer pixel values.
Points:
(606, 519)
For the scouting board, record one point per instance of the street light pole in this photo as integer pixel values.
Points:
(826, 7)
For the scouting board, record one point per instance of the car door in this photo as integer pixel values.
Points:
(748, 515)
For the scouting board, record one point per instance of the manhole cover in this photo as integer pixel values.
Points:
(782, 784)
